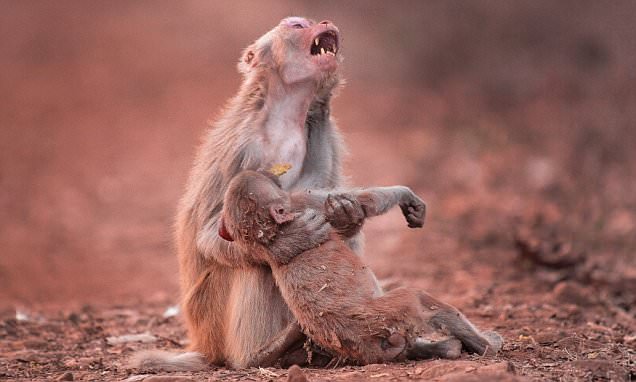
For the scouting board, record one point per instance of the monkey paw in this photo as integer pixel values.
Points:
(306, 231)
(345, 213)
(496, 341)
(414, 210)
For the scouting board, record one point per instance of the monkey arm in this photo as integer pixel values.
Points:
(352, 207)
(378, 200)
(342, 211)
(212, 246)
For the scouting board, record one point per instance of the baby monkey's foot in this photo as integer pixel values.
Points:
(449, 348)
(495, 340)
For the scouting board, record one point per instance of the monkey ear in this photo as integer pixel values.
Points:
(248, 60)
(280, 214)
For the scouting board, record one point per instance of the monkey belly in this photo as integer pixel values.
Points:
(256, 312)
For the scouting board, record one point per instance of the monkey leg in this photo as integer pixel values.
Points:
(271, 352)
(449, 348)
(446, 317)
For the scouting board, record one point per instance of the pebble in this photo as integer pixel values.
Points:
(68, 376)
(168, 378)
(143, 338)
(296, 374)
(574, 293)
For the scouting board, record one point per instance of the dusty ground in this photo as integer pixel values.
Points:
(515, 124)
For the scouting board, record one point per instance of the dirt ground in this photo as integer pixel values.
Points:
(514, 123)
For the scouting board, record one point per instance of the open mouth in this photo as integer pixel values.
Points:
(325, 43)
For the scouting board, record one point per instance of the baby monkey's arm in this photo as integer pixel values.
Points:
(378, 200)
(347, 210)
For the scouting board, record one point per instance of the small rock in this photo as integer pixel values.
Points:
(143, 338)
(74, 318)
(68, 376)
(499, 367)
(171, 311)
(21, 316)
(136, 378)
(35, 344)
(573, 293)
(168, 378)
(601, 369)
(296, 374)
(547, 338)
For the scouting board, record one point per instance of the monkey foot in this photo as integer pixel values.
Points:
(449, 348)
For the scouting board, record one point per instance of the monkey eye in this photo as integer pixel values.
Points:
(296, 22)
(281, 211)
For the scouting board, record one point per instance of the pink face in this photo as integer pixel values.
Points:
(317, 42)
(299, 49)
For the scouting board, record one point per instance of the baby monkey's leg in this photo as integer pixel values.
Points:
(446, 317)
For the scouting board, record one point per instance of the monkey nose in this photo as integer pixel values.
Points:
(326, 22)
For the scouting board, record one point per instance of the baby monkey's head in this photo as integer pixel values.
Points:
(253, 208)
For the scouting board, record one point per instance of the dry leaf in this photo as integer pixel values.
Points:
(280, 168)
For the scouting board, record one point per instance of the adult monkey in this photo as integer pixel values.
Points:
(280, 115)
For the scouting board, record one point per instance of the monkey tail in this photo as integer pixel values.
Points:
(168, 361)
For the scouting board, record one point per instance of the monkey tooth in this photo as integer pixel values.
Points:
(326, 42)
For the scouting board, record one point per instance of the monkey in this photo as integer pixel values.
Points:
(329, 289)
(281, 114)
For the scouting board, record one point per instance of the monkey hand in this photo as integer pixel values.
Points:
(344, 213)
(414, 210)
(306, 231)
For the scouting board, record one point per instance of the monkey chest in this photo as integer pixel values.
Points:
(290, 148)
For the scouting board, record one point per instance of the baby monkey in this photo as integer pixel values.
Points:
(329, 290)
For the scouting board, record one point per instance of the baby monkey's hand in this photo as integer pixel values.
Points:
(414, 210)
(307, 230)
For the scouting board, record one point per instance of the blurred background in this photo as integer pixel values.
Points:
(513, 120)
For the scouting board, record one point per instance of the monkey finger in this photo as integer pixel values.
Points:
(352, 206)
(414, 221)
(347, 207)
(346, 211)
(357, 212)
(330, 204)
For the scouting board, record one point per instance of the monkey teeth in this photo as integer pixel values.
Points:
(325, 43)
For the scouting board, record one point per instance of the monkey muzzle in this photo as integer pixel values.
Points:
(325, 43)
